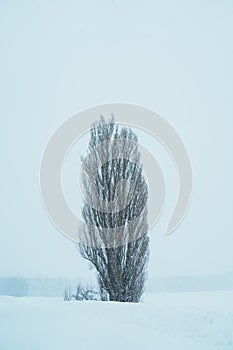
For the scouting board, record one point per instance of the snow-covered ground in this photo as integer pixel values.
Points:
(172, 321)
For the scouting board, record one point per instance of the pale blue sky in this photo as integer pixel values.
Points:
(175, 57)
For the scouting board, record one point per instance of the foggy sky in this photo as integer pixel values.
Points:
(171, 56)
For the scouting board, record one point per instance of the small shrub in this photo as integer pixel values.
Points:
(81, 293)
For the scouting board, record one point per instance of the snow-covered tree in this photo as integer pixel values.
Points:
(114, 237)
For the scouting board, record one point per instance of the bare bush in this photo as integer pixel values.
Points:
(67, 294)
(81, 293)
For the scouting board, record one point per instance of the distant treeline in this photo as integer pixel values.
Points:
(35, 286)
(54, 287)
(15, 286)
(191, 283)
